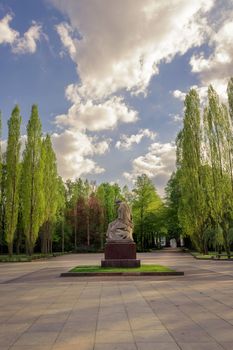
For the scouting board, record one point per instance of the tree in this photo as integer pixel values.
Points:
(193, 212)
(230, 97)
(32, 181)
(12, 177)
(145, 202)
(107, 195)
(50, 188)
(218, 133)
(61, 208)
(172, 201)
(0, 155)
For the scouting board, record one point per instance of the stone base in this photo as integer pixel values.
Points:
(120, 250)
(120, 254)
(120, 263)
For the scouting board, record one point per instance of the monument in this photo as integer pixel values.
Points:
(120, 248)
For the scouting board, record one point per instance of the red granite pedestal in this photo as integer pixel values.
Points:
(120, 254)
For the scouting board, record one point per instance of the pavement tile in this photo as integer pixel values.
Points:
(74, 338)
(37, 338)
(227, 346)
(116, 337)
(8, 338)
(191, 336)
(200, 346)
(46, 327)
(222, 335)
(79, 346)
(110, 346)
(30, 347)
(157, 346)
(152, 336)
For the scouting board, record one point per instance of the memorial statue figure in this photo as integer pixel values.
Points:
(121, 229)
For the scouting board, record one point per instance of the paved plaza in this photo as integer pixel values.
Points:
(41, 311)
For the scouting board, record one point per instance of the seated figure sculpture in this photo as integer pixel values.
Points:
(121, 229)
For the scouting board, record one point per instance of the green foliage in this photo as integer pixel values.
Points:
(12, 177)
(32, 193)
(172, 201)
(146, 206)
(205, 174)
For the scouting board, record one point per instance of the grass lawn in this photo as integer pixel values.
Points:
(142, 268)
(26, 258)
(211, 255)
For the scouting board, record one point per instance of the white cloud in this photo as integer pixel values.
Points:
(28, 43)
(201, 90)
(217, 68)
(179, 95)
(121, 43)
(65, 32)
(177, 118)
(7, 34)
(126, 141)
(157, 164)
(96, 116)
(117, 46)
(74, 149)
(20, 45)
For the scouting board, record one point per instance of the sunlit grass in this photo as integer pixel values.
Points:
(142, 268)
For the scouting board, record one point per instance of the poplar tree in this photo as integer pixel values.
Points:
(230, 97)
(218, 130)
(12, 177)
(193, 213)
(0, 156)
(1, 185)
(50, 188)
(32, 181)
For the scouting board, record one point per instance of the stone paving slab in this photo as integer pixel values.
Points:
(40, 310)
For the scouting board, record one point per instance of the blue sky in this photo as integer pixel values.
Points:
(110, 77)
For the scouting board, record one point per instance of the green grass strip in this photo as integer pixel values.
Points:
(142, 268)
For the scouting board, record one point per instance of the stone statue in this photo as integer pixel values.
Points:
(121, 229)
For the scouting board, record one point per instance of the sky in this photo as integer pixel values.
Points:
(110, 77)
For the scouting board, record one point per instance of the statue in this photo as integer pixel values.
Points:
(121, 229)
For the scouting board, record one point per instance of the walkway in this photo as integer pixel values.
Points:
(41, 311)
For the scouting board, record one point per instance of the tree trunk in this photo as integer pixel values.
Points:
(88, 230)
(18, 242)
(75, 230)
(63, 236)
(10, 249)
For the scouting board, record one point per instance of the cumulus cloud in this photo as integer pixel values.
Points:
(19, 45)
(157, 164)
(65, 32)
(7, 34)
(126, 141)
(117, 46)
(121, 43)
(201, 90)
(177, 118)
(74, 149)
(179, 94)
(97, 116)
(216, 68)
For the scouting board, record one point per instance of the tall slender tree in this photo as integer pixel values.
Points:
(230, 97)
(12, 177)
(193, 213)
(32, 181)
(218, 131)
(51, 194)
(0, 156)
